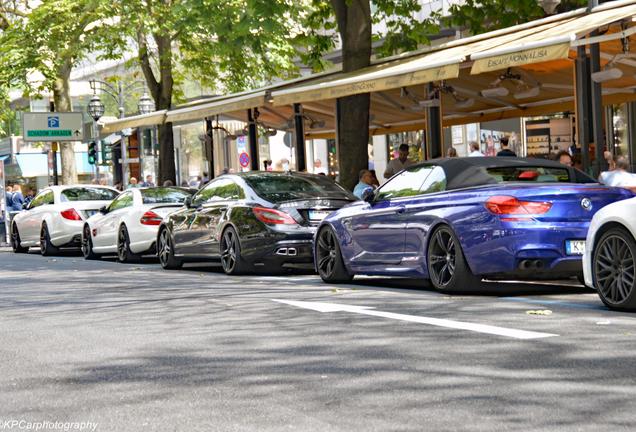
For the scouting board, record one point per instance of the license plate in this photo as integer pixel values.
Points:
(318, 215)
(575, 247)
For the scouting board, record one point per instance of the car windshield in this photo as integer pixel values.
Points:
(164, 195)
(285, 187)
(88, 194)
(530, 174)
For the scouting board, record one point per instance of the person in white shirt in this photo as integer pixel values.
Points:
(619, 177)
(397, 165)
(474, 150)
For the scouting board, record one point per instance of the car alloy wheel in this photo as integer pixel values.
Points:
(124, 253)
(46, 247)
(326, 252)
(614, 269)
(165, 252)
(329, 258)
(447, 267)
(16, 243)
(87, 244)
(229, 247)
(442, 256)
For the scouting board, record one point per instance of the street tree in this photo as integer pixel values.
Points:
(479, 16)
(354, 20)
(40, 44)
(226, 45)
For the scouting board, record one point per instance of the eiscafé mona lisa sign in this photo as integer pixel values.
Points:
(53, 126)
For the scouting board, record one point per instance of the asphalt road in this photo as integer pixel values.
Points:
(133, 347)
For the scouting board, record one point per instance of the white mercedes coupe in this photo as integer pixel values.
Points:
(55, 217)
(128, 226)
(609, 262)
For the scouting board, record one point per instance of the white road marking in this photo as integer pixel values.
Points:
(366, 310)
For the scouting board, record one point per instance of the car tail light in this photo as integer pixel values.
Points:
(271, 216)
(71, 214)
(150, 218)
(507, 205)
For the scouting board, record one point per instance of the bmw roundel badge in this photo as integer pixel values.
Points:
(586, 203)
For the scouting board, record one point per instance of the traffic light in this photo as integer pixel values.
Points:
(92, 152)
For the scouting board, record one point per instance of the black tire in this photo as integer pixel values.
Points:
(46, 247)
(16, 243)
(329, 264)
(87, 244)
(613, 269)
(124, 254)
(231, 259)
(165, 251)
(447, 267)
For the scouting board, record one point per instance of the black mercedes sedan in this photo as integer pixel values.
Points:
(251, 222)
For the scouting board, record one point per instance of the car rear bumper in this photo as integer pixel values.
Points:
(66, 233)
(537, 250)
(276, 251)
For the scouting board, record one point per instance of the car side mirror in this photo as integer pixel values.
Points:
(368, 195)
(188, 202)
(103, 210)
(25, 206)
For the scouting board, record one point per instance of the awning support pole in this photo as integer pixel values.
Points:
(209, 146)
(434, 130)
(583, 105)
(252, 115)
(597, 110)
(299, 135)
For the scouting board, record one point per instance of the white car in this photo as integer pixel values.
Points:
(609, 262)
(128, 226)
(55, 217)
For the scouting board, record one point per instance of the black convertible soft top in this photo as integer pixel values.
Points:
(463, 172)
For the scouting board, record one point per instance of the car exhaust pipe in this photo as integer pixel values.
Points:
(525, 264)
(291, 252)
(282, 251)
(537, 264)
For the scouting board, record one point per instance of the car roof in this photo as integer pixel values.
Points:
(64, 187)
(462, 172)
(272, 173)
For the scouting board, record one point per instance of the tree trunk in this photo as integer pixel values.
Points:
(167, 169)
(63, 103)
(161, 91)
(354, 25)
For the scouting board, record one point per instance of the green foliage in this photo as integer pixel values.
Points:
(479, 16)
(403, 32)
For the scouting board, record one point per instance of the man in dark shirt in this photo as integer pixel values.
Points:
(505, 151)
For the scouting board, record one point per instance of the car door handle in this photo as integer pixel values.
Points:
(400, 209)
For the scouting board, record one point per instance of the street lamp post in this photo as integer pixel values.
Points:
(96, 108)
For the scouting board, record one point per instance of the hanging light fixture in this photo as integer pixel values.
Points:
(96, 107)
(527, 93)
(494, 92)
(146, 104)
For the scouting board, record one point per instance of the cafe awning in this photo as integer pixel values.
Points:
(219, 106)
(151, 119)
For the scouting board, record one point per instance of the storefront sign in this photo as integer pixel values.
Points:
(53, 126)
(520, 58)
(330, 91)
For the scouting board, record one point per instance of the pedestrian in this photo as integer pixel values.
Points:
(505, 151)
(318, 168)
(374, 179)
(168, 183)
(451, 152)
(29, 196)
(474, 150)
(148, 182)
(8, 196)
(132, 184)
(564, 157)
(365, 183)
(619, 177)
(398, 164)
(17, 199)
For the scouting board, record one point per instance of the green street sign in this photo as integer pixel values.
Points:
(49, 133)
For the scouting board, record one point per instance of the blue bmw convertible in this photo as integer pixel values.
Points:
(455, 221)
